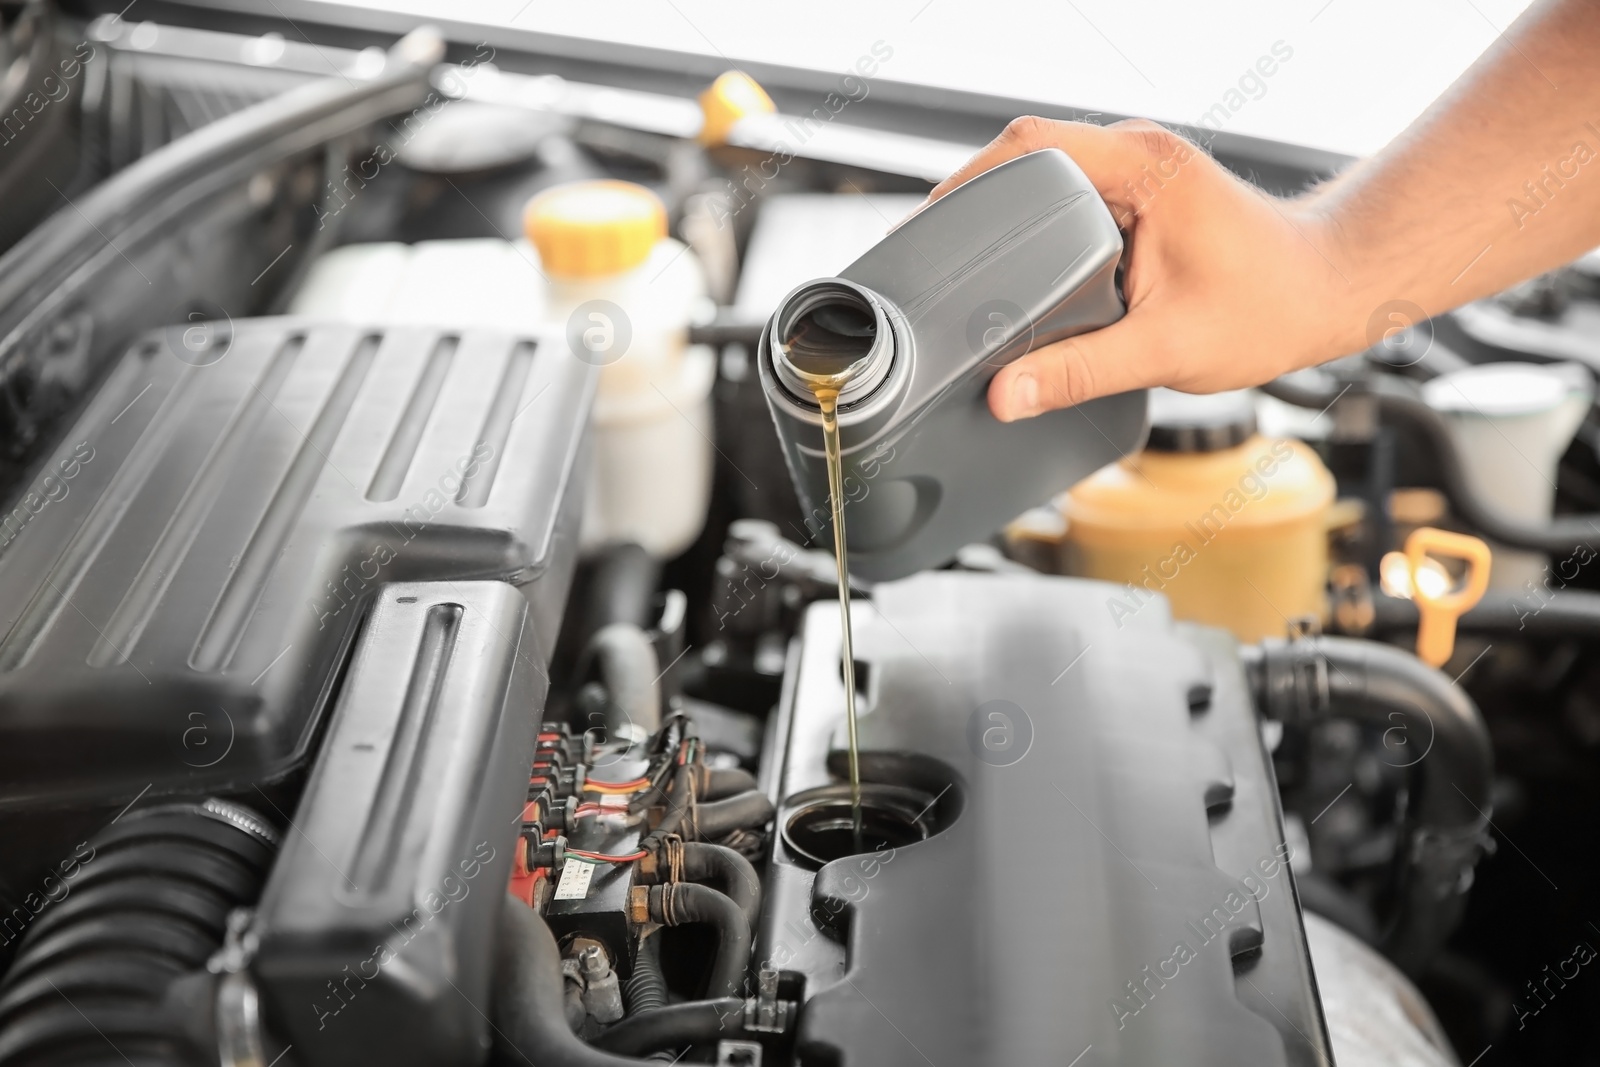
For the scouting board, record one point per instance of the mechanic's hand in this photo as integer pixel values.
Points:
(1227, 287)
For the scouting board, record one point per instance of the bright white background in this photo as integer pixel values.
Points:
(1361, 69)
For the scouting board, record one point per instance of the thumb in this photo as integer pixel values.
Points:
(1113, 360)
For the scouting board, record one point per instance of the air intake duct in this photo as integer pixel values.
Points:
(115, 970)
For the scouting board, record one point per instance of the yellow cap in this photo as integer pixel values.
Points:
(730, 98)
(589, 229)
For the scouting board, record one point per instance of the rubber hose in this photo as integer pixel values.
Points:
(737, 878)
(147, 906)
(695, 1022)
(1448, 754)
(1386, 687)
(685, 903)
(722, 782)
(1566, 613)
(747, 811)
(1371, 681)
(628, 665)
(729, 327)
(622, 587)
(646, 988)
(1298, 395)
(1561, 536)
(529, 994)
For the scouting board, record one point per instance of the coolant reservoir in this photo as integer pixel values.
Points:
(1511, 423)
(625, 292)
(1229, 525)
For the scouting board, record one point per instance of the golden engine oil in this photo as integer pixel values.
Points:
(826, 348)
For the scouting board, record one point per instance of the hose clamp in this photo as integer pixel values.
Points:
(1293, 679)
(239, 1022)
(764, 1013)
(242, 819)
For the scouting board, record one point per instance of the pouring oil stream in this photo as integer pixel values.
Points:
(829, 403)
(826, 348)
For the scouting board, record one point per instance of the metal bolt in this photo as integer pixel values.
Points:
(593, 959)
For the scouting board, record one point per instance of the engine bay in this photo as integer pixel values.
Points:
(414, 649)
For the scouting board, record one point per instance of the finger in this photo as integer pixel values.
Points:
(1022, 135)
(1109, 155)
(1028, 133)
(1113, 360)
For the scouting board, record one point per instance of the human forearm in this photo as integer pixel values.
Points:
(1229, 287)
(1498, 181)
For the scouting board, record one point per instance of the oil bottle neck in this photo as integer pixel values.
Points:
(831, 335)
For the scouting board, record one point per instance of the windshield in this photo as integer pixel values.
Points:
(1343, 75)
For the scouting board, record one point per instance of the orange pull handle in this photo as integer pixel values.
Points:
(730, 98)
(1437, 612)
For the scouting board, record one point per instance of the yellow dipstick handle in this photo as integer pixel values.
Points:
(1437, 612)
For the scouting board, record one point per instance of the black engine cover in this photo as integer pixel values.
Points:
(374, 937)
(1111, 884)
(180, 586)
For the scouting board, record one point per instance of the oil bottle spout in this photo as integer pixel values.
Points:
(831, 335)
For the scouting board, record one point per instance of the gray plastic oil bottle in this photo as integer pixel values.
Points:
(1020, 256)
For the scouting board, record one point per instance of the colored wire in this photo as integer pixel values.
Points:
(638, 785)
(631, 783)
(599, 809)
(601, 857)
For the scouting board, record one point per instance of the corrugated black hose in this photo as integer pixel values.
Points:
(1433, 730)
(647, 987)
(146, 908)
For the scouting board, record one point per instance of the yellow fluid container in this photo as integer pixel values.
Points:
(1230, 526)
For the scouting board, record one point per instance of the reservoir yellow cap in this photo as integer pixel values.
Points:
(728, 99)
(595, 228)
